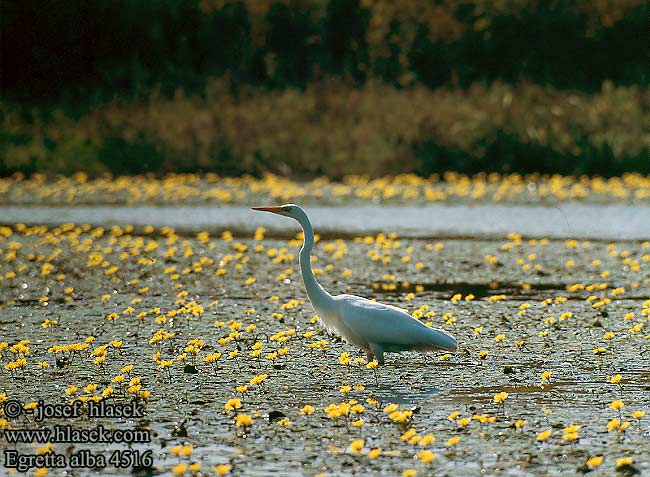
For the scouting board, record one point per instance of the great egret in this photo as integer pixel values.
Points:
(374, 327)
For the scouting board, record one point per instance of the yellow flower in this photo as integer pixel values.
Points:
(484, 418)
(222, 469)
(356, 446)
(500, 397)
(243, 420)
(179, 469)
(45, 449)
(616, 405)
(391, 408)
(452, 441)
(542, 436)
(212, 358)
(400, 416)
(594, 461)
(107, 392)
(284, 422)
(71, 390)
(374, 453)
(638, 414)
(259, 379)
(624, 461)
(426, 456)
(613, 424)
(520, 423)
(570, 436)
(232, 404)
(615, 379)
(408, 434)
(307, 410)
(409, 473)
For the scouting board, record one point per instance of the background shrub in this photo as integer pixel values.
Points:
(336, 129)
(318, 87)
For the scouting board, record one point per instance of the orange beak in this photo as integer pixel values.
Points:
(275, 210)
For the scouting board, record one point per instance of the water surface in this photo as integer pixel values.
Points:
(609, 222)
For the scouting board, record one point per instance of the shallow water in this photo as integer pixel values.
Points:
(583, 221)
(188, 409)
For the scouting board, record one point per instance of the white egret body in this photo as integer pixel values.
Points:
(374, 327)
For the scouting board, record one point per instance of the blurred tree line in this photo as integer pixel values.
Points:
(97, 48)
(311, 87)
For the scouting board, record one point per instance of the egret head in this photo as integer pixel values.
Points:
(288, 210)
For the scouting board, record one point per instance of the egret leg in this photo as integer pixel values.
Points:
(378, 351)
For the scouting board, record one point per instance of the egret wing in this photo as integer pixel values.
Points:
(382, 324)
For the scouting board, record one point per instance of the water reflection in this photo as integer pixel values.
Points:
(403, 394)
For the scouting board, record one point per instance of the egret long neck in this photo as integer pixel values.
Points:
(317, 295)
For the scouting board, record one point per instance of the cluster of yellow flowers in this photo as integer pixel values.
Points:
(155, 311)
(409, 188)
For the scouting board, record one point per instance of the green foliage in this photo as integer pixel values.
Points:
(335, 129)
(71, 154)
(129, 157)
(19, 152)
